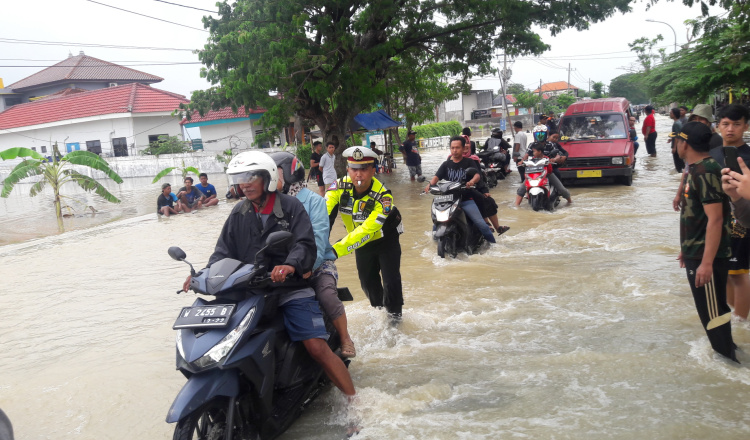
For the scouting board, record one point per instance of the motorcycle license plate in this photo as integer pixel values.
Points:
(216, 316)
(444, 198)
(589, 173)
(531, 170)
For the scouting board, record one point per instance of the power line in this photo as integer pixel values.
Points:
(99, 66)
(65, 43)
(148, 16)
(186, 6)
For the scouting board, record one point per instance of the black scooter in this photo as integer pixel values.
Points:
(452, 230)
(493, 164)
(246, 379)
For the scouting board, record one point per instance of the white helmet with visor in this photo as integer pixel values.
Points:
(249, 166)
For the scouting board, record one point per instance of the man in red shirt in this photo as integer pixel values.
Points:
(649, 131)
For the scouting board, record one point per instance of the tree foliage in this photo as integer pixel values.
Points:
(56, 173)
(631, 86)
(597, 90)
(526, 99)
(644, 50)
(326, 60)
(514, 88)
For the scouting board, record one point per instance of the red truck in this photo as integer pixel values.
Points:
(595, 133)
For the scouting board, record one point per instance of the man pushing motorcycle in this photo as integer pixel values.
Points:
(244, 234)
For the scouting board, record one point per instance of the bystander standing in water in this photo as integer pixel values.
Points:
(649, 131)
(704, 236)
(674, 115)
(633, 134)
(327, 164)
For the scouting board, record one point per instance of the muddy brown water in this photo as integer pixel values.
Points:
(578, 324)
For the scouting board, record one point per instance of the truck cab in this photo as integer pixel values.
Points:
(596, 135)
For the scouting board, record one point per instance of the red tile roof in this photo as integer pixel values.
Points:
(224, 113)
(83, 68)
(64, 92)
(134, 98)
(555, 87)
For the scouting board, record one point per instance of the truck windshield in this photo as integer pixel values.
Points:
(577, 127)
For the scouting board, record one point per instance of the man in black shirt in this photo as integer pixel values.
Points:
(165, 202)
(455, 170)
(315, 172)
(411, 157)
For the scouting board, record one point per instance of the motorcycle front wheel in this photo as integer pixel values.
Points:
(210, 422)
(537, 203)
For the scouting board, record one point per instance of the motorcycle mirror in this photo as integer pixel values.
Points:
(176, 253)
(279, 238)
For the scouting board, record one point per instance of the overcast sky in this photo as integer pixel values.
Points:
(596, 54)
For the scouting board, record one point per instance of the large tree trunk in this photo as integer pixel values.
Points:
(299, 130)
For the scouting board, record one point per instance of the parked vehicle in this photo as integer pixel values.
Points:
(452, 230)
(595, 134)
(245, 378)
(538, 190)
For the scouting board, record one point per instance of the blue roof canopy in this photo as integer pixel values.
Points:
(378, 120)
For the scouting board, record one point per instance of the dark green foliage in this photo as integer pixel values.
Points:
(526, 100)
(450, 128)
(167, 145)
(631, 86)
(303, 154)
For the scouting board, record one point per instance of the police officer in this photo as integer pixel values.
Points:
(373, 225)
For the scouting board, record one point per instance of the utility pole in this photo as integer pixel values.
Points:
(504, 77)
(541, 100)
(569, 69)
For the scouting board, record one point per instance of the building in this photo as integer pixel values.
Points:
(558, 88)
(114, 121)
(473, 105)
(75, 72)
(224, 129)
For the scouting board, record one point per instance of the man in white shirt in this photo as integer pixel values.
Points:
(519, 146)
(327, 165)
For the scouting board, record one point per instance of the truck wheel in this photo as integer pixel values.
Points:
(627, 180)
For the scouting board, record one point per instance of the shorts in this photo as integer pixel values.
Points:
(304, 320)
(193, 204)
(318, 178)
(415, 170)
(740, 262)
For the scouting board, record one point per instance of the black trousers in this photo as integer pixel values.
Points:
(711, 304)
(651, 143)
(382, 257)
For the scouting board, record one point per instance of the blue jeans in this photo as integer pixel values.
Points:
(473, 214)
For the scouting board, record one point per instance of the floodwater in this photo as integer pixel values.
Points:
(578, 324)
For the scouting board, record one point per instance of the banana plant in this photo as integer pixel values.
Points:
(57, 172)
(183, 169)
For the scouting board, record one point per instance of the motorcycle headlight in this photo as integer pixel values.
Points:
(442, 216)
(534, 182)
(219, 352)
(617, 160)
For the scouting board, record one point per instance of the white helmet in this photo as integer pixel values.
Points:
(250, 165)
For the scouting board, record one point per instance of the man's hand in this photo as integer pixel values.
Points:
(682, 262)
(676, 203)
(186, 284)
(307, 275)
(727, 186)
(703, 274)
(741, 182)
(427, 188)
(279, 273)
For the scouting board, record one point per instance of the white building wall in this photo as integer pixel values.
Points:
(469, 104)
(46, 135)
(145, 126)
(238, 135)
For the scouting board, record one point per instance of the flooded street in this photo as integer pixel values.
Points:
(578, 324)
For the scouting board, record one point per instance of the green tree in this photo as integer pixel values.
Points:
(597, 90)
(327, 60)
(167, 145)
(718, 60)
(644, 50)
(630, 86)
(559, 103)
(416, 86)
(526, 99)
(184, 171)
(56, 173)
(514, 89)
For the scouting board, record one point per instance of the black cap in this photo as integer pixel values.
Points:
(165, 185)
(697, 135)
(412, 132)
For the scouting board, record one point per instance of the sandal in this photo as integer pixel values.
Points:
(347, 350)
(503, 230)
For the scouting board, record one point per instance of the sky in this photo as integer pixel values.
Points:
(72, 26)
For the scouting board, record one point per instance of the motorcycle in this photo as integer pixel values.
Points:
(453, 231)
(245, 378)
(538, 189)
(493, 164)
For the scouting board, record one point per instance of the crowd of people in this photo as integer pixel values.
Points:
(713, 199)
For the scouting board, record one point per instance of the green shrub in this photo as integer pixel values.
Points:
(303, 154)
(450, 128)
